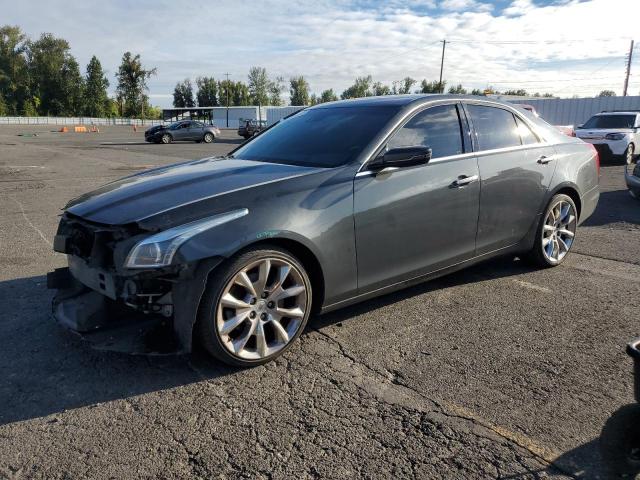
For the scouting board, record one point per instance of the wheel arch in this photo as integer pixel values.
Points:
(570, 190)
(305, 255)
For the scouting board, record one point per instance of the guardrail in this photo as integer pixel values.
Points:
(76, 121)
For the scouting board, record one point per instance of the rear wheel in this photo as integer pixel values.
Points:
(166, 138)
(556, 232)
(208, 137)
(255, 306)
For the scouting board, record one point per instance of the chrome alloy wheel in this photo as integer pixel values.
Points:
(559, 231)
(261, 308)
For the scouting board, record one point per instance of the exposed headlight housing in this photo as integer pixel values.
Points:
(614, 136)
(158, 250)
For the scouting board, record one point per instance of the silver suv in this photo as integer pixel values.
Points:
(614, 134)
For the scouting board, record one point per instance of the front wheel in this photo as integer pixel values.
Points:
(254, 307)
(208, 137)
(166, 138)
(556, 232)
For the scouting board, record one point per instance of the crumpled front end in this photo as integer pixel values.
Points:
(135, 311)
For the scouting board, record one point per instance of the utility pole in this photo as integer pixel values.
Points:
(628, 72)
(227, 88)
(444, 44)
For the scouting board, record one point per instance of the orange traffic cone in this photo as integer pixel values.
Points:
(64, 130)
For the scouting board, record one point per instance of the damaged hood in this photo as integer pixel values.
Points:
(156, 192)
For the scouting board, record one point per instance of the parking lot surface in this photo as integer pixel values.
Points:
(500, 370)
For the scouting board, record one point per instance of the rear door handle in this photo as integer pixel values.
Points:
(543, 160)
(463, 180)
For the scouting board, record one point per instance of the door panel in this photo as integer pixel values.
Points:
(513, 181)
(414, 221)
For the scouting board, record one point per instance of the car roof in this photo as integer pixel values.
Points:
(615, 113)
(405, 100)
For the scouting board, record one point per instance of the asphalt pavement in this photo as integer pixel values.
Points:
(498, 371)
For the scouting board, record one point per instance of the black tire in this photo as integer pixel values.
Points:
(620, 442)
(536, 255)
(205, 329)
(208, 137)
(166, 139)
(629, 154)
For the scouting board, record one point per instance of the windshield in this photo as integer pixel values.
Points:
(319, 137)
(610, 121)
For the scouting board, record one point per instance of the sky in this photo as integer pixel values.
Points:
(565, 47)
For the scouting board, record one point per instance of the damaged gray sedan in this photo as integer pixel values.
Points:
(237, 252)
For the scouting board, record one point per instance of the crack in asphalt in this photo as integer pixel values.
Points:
(455, 411)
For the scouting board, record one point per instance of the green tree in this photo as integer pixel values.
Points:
(276, 88)
(432, 87)
(95, 91)
(132, 86)
(476, 91)
(207, 95)
(259, 85)
(314, 99)
(607, 93)
(328, 96)
(55, 76)
(241, 95)
(3, 107)
(360, 88)
(402, 87)
(14, 74)
(183, 94)
(299, 91)
(520, 92)
(458, 90)
(225, 92)
(379, 89)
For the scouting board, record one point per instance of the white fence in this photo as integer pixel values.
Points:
(576, 111)
(277, 113)
(76, 121)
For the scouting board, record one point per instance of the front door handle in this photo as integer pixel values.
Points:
(543, 160)
(463, 180)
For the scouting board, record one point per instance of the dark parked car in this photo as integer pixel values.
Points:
(238, 251)
(632, 178)
(183, 130)
(249, 128)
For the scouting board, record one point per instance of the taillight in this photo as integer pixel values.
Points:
(597, 157)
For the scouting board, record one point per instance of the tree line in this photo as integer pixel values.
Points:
(42, 77)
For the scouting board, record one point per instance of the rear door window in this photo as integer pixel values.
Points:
(526, 134)
(437, 128)
(495, 127)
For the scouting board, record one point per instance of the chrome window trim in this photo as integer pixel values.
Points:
(371, 151)
(482, 153)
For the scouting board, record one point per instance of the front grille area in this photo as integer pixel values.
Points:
(92, 242)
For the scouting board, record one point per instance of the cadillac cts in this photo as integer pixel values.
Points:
(334, 205)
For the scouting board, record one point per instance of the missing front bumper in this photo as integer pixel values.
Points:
(107, 324)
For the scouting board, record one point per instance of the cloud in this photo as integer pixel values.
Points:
(465, 5)
(568, 47)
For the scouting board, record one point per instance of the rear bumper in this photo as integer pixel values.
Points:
(609, 149)
(589, 202)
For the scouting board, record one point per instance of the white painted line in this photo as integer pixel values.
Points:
(29, 221)
(532, 286)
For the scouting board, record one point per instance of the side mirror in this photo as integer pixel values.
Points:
(579, 126)
(402, 157)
